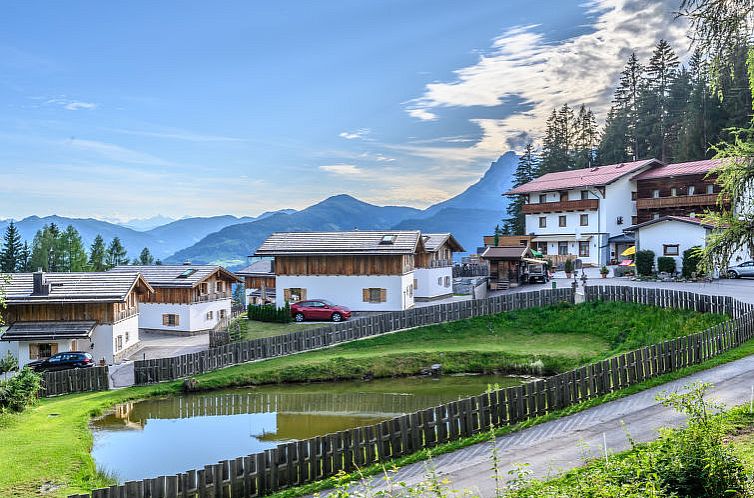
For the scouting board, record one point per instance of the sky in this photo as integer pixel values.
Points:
(194, 108)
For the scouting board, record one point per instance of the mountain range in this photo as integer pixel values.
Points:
(228, 240)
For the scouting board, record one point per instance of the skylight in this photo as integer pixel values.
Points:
(187, 273)
(388, 239)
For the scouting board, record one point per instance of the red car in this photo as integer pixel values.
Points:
(319, 309)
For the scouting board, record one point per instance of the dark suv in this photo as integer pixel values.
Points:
(63, 361)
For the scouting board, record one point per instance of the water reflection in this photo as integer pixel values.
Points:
(170, 435)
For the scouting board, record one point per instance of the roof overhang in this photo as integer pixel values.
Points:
(557, 238)
(49, 331)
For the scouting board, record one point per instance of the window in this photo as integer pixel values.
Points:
(656, 193)
(187, 273)
(416, 284)
(563, 196)
(583, 249)
(634, 220)
(219, 286)
(562, 221)
(171, 320)
(388, 239)
(119, 343)
(670, 249)
(655, 216)
(126, 337)
(691, 190)
(584, 195)
(584, 220)
(633, 196)
(447, 281)
(39, 351)
(710, 189)
(222, 314)
(563, 248)
(294, 294)
(204, 288)
(209, 315)
(541, 247)
(673, 191)
(374, 295)
(542, 222)
(619, 220)
(542, 198)
(439, 280)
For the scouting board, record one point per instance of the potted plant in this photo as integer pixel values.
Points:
(568, 268)
(604, 271)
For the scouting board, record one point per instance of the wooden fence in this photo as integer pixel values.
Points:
(74, 380)
(163, 369)
(300, 462)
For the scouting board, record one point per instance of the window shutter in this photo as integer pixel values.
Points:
(164, 319)
(33, 351)
(383, 295)
(303, 294)
(177, 319)
(365, 295)
(286, 294)
(54, 348)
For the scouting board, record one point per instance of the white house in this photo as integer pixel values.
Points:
(51, 313)
(433, 275)
(188, 299)
(259, 281)
(363, 270)
(573, 214)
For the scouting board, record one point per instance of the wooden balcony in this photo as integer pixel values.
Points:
(550, 207)
(677, 201)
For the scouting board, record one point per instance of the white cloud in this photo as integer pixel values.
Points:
(116, 152)
(75, 106)
(353, 135)
(342, 169)
(523, 65)
(70, 105)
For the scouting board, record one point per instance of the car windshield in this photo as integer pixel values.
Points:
(326, 303)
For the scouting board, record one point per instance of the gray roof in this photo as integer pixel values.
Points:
(433, 241)
(261, 268)
(48, 331)
(510, 252)
(88, 287)
(176, 275)
(366, 242)
(678, 219)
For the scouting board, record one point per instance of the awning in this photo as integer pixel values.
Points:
(536, 261)
(536, 253)
(558, 238)
(48, 331)
(621, 239)
(629, 252)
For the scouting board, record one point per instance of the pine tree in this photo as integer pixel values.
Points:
(46, 252)
(615, 144)
(525, 172)
(116, 254)
(11, 250)
(24, 258)
(74, 255)
(653, 119)
(145, 258)
(626, 100)
(557, 146)
(97, 254)
(585, 139)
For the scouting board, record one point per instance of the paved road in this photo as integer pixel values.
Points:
(562, 444)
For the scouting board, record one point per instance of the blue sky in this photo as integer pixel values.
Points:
(204, 108)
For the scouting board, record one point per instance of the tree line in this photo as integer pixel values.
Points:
(661, 109)
(56, 250)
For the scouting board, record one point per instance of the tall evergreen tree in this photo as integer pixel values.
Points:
(146, 258)
(46, 252)
(615, 143)
(526, 171)
(585, 138)
(24, 258)
(558, 143)
(97, 253)
(74, 255)
(116, 254)
(653, 121)
(627, 98)
(11, 249)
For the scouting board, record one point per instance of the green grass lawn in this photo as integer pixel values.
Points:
(50, 443)
(253, 329)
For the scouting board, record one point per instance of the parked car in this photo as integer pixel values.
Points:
(743, 270)
(63, 361)
(319, 309)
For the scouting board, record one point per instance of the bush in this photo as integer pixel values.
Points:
(20, 391)
(269, 313)
(666, 264)
(568, 265)
(690, 262)
(8, 364)
(622, 271)
(645, 261)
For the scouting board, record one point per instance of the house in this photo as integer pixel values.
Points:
(433, 275)
(573, 214)
(259, 281)
(187, 299)
(682, 189)
(363, 270)
(49, 313)
(507, 264)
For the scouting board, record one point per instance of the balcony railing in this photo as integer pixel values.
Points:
(212, 296)
(548, 207)
(677, 201)
(127, 313)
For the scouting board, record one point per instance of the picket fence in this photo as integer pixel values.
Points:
(75, 380)
(164, 369)
(306, 461)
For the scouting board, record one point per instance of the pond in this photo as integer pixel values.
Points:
(165, 436)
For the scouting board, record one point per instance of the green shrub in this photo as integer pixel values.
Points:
(666, 264)
(690, 262)
(8, 364)
(568, 266)
(269, 313)
(645, 261)
(20, 391)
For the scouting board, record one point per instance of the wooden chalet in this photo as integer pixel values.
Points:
(259, 281)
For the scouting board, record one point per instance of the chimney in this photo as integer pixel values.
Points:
(41, 288)
(187, 263)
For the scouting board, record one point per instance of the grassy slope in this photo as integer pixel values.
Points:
(251, 329)
(36, 448)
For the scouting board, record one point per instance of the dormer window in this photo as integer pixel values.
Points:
(187, 273)
(388, 239)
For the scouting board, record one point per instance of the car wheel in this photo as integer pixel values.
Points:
(299, 317)
(732, 274)
(336, 317)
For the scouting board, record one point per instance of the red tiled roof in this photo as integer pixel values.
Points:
(680, 169)
(683, 219)
(587, 177)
